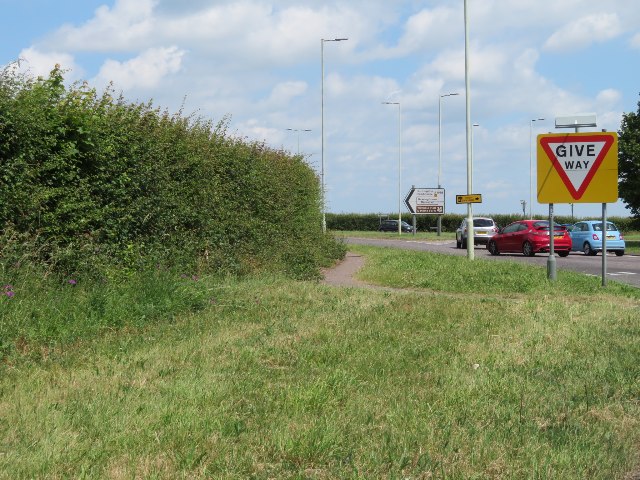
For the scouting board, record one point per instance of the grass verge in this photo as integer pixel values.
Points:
(283, 379)
(448, 273)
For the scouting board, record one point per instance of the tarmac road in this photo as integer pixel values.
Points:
(625, 269)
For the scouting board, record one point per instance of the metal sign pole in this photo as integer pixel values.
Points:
(551, 261)
(604, 244)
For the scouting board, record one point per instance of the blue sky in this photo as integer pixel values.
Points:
(257, 62)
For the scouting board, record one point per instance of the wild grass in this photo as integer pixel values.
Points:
(40, 314)
(285, 379)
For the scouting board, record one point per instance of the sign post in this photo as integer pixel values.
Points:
(577, 168)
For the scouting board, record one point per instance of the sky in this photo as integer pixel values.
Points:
(257, 64)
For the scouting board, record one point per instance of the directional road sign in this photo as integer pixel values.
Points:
(578, 167)
(471, 198)
(425, 201)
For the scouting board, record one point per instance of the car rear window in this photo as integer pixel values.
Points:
(610, 227)
(482, 222)
(545, 226)
(541, 225)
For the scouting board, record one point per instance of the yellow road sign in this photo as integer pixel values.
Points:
(578, 167)
(471, 198)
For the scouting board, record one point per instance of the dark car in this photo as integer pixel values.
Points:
(530, 237)
(392, 226)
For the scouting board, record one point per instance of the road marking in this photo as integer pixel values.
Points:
(613, 274)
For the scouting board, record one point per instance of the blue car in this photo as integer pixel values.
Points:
(586, 237)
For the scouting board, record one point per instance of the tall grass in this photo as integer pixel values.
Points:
(284, 379)
(41, 314)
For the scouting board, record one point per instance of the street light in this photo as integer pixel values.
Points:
(399, 164)
(468, 128)
(440, 147)
(531, 165)
(322, 40)
(474, 125)
(298, 130)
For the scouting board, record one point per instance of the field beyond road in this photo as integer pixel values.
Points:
(458, 371)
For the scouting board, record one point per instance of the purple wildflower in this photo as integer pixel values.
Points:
(9, 293)
(72, 281)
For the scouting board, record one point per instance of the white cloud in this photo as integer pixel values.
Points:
(147, 70)
(635, 41)
(608, 97)
(125, 27)
(249, 32)
(584, 31)
(39, 64)
(283, 92)
(430, 27)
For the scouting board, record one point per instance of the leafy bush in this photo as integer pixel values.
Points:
(92, 183)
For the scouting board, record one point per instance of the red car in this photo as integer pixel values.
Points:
(530, 237)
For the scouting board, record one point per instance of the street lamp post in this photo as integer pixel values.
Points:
(298, 131)
(474, 125)
(399, 164)
(440, 148)
(468, 127)
(531, 165)
(322, 40)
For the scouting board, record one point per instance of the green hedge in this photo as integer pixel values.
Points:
(450, 222)
(91, 182)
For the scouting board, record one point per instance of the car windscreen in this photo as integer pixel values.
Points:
(482, 222)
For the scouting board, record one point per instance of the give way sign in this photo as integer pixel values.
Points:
(578, 167)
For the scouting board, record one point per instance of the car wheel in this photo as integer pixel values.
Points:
(493, 248)
(563, 254)
(464, 243)
(586, 248)
(527, 250)
(619, 253)
(458, 243)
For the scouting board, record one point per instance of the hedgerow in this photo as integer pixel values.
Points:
(450, 221)
(92, 183)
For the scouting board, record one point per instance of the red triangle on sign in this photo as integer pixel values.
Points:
(577, 158)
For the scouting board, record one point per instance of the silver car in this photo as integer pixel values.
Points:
(483, 229)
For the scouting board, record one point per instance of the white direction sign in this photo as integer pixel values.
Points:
(425, 201)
